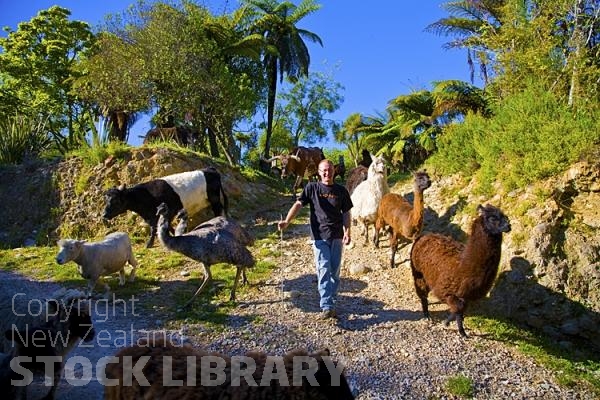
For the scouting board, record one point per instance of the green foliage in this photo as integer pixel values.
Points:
(22, 137)
(531, 136)
(460, 385)
(305, 106)
(573, 367)
(285, 52)
(96, 153)
(37, 68)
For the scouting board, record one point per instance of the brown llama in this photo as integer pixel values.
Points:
(459, 273)
(405, 220)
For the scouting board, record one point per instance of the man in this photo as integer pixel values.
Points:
(330, 206)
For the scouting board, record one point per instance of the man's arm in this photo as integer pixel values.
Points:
(347, 221)
(290, 215)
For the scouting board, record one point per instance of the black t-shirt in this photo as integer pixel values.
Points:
(327, 205)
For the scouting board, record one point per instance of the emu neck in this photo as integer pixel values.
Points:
(163, 231)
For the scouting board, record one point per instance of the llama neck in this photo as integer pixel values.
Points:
(380, 185)
(482, 249)
(416, 214)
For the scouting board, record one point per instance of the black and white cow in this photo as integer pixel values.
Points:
(192, 190)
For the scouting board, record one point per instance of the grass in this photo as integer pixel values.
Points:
(460, 385)
(573, 368)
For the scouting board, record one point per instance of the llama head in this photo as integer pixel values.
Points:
(422, 180)
(494, 221)
(377, 166)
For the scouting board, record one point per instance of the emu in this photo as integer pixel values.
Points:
(208, 244)
(459, 273)
(404, 219)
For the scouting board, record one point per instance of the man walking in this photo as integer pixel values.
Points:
(330, 206)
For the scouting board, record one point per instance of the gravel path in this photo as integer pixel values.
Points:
(389, 351)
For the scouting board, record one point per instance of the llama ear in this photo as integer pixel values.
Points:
(121, 187)
(480, 209)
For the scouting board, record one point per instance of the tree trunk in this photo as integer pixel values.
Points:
(270, 105)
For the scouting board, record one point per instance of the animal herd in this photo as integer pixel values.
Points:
(456, 273)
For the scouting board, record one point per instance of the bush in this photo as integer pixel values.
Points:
(531, 136)
(22, 137)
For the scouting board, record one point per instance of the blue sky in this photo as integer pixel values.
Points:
(379, 46)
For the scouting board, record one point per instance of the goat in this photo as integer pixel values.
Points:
(459, 273)
(227, 380)
(368, 194)
(405, 221)
(192, 190)
(64, 318)
(209, 244)
(98, 259)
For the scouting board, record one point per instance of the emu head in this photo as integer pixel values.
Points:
(494, 221)
(115, 202)
(162, 210)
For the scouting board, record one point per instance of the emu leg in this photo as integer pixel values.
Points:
(240, 271)
(244, 278)
(207, 280)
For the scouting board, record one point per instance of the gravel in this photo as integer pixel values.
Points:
(388, 349)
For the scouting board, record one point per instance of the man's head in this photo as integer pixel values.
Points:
(326, 171)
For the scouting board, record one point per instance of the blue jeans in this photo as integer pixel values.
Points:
(328, 257)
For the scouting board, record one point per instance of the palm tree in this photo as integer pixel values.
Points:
(408, 133)
(286, 53)
(468, 22)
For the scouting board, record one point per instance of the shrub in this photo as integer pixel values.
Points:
(21, 136)
(531, 136)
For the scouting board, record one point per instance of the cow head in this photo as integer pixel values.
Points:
(291, 165)
(115, 202)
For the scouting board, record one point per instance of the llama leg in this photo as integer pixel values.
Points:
(122, 276)
(394, 248)
(459, 323)
(378, 224)
(207, 280)
(457, 309)
(450, 318)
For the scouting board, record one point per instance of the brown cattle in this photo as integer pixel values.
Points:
(300, 162)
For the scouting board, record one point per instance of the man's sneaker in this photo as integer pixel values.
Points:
(327, 314)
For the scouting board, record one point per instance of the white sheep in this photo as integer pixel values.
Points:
(98, 259)
(368, 194)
